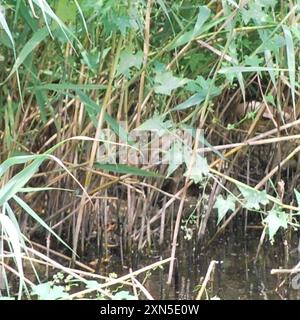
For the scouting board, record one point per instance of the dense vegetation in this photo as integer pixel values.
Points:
(82, 76)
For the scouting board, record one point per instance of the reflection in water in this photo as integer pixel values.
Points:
(237, 276)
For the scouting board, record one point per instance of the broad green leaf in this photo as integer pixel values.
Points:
(66, 10)
(255, 13)
(129, 60)
(199, 168)
(92, 284)
(123, 295)
(125, 169)
(223, 206)
(166, 82)
(201, 87)
(45, 291)
(156, 123)
(276, 218)
(254, 198)
(204, 86)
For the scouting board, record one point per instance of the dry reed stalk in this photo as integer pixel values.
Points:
(210, 270)
(123, 278)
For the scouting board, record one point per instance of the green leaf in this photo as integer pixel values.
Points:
(253, 61)
(183, 39)
(9, 229)
(194, 100)
(276, 218)
(201, 87)
(129, 60)
(247, 69)
(45, 291)
(30, 45)
(93, 110)
(223, 206)
(92, 284)
(37, 218)
(166, 82)
(19, 180)
(156, 123)
(15, 160)
(199, 169)
(123, 295)
(253, 197)
(4, 25)
(268, 3)
(125, 169)
(66, 10)
(70, 86)
(174, 157)
(203, 15)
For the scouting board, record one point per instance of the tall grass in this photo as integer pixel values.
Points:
(70, 69)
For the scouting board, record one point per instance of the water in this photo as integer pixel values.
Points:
(237, 276)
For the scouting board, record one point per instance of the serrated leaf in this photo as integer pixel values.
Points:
(156, 123)
(223, 206)
(129, 60)
(199, 169)
(254, 197)
(275, 219)
(201, 87)
(166, 82)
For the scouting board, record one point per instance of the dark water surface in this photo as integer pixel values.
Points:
(237, 276)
